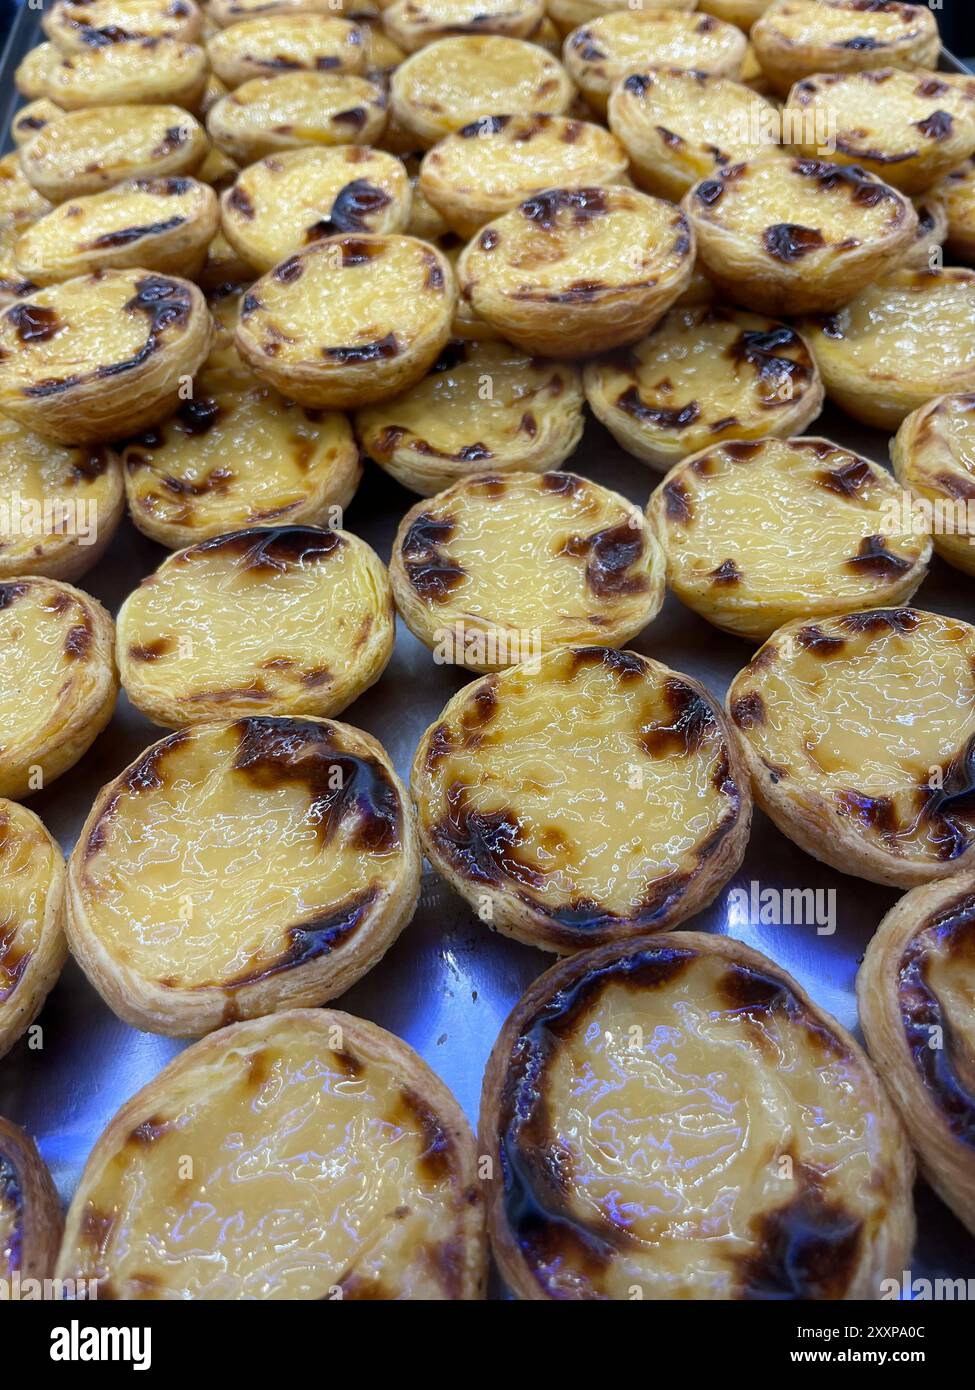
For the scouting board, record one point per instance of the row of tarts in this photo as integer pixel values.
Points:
(665, 1115)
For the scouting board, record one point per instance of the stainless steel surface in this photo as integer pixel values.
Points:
(448, 983)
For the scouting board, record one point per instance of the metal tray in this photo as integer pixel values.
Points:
(448, 983)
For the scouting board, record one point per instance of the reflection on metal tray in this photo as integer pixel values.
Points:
(448, 984)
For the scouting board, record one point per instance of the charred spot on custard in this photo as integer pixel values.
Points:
(239, 200)
(902, 620)
(610, 555)
(693, 723)
(581, 204)
(726, 574)
(33, 323)
(677, 502)
(788, 242)
(873, 558)
(343, 788)
(814, 640)
(264, 553)
(847, 480)
(380, 350)
(432, 573)
(482, 845)
(309, 940)
(150, 651)
(748, 711)
(354, 204)
(805, 1249)
(662, 417)
(149, 1132)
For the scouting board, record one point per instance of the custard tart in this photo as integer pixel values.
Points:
(582, 798)
(787, 236)
(33, 947)
(57, 680)
(159, 224)
(599, 53)
(235, 869)
(701, 375)
(916, 996)
(680, 126)
(760, 532)
(79, 25)
(502, 567)
(484, 406)
(101, 355)
(681, 1121)
(569, 14)
(270, 45)
(367, 1185)
(908, 128)
(797, 38)
(85, 151)
(958, 192)
(933, 455)
(857, 731)
(238, 454)
(349, 320)
(286, 201)
(901, 341)
(32, 118)
(141, 71)
(575, 271)
(266, 114)
(292, 620)
(452, 82)
(30, 1212)
(61, 506)
(490, 166)
(224, 12)
(412, 24)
